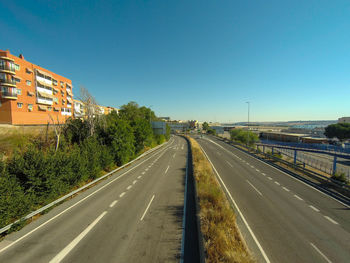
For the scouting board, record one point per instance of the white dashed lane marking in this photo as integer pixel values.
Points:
(277, 183)
(122, 194)
(134, 182)
(139, 177)
(113, 203)
(298, 197)
(286, 189)
(331, 220)
(314, 208)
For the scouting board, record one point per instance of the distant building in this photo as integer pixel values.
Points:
(193, 124)
(80, 109)
(218, 129)
(159, 127)
(30, 93)
(165, 118)
(177, 126)
(110, 109)
(344, 120)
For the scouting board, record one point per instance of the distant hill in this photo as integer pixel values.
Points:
(322, 123)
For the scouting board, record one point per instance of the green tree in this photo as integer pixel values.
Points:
(120, 138)
(13, 202)
(167, 133)
(76, 130)
(143, 134)
(211, 131)
(243, 136)
(338, 130)
(205, 126)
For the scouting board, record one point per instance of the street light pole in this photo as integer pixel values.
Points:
(248, 123)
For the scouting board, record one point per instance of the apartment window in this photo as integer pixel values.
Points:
(29, 83)
(28, 71)
(55, 100)
(49, 108)
(19, 91)
(19, 104)
(17, 67)
(0, 103)
(16, 79)
(62, 84)
(30, 107)
(54, 82)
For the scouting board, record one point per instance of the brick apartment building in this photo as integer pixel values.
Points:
(29, 93)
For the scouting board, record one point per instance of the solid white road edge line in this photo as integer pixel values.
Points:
(239, 211)
(149, 204)
(319, 251)
(113, 203)
(229, 164)
(254, 187)
(86, 197)
(72, 244)
(167, 169)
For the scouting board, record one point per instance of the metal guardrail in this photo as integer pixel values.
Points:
(310, 146)
(4, 229)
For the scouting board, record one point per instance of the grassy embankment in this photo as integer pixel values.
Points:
(222, 240)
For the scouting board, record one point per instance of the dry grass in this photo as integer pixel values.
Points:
(223, 242)
(17, 137)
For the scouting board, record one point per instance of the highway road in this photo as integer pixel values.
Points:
(135, 215)
(281, 218)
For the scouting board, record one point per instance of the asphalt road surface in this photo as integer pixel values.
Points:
(281, 218)
(134, 216)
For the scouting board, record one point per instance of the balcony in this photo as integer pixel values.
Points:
(9, 93)
(7, 69)
(8, 82)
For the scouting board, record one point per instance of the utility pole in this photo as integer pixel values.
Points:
(248, 123)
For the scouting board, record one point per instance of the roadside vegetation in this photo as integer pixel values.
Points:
(244, 137)
(341, 131)
(208, 129)
(39, 169)
(222, 240)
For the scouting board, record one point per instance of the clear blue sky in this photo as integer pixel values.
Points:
(194, 59)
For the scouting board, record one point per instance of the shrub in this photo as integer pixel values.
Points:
(13, 202)
(340, 177)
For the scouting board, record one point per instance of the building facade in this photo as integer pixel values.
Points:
(30, 94)
(344, 120)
